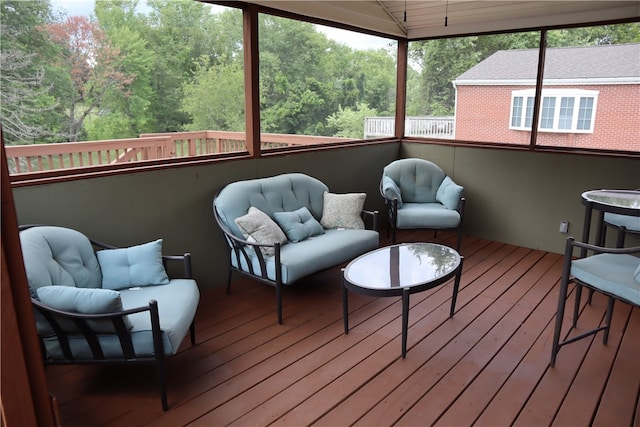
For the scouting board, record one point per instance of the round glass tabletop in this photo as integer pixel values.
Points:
(401, 266)
(617, 198)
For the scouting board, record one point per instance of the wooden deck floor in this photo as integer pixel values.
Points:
(486, 366)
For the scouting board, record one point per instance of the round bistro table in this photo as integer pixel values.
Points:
(401, 270)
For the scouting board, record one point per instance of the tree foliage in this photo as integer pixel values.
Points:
(224, 108)
(94, 65)
(348, 122)
(27, 106)
(130, 111)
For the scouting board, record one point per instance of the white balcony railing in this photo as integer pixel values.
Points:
(426, 127)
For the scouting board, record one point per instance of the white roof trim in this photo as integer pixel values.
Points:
(529, 82)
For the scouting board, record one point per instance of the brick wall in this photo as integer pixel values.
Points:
(483, 113)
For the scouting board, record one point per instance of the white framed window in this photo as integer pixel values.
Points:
(561, 110)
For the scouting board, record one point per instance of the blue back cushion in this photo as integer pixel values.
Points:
(139, 265)
(281, 193)
(59, 256)
(418, 179)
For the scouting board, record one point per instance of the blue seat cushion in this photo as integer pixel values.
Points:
(317, 253)
(427, 215)
(611, 273)
(177, 304)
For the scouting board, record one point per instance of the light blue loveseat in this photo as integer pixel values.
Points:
(116, 305)
(322, 229)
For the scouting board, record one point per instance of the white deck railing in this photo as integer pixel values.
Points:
(429, 127)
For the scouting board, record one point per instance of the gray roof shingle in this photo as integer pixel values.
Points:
(588, 62)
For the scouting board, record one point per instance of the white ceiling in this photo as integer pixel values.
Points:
(427, 18)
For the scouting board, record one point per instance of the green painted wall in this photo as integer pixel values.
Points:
(513, 196)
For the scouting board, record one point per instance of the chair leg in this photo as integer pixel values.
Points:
(576, 308)
(162, 382)
(279, 302)
(229, 280)
(459, 239)
(607, 322)
(158, 349)
(562, 300)
(192, 332)
(562, 297)
(621, 235)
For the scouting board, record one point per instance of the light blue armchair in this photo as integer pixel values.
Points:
(418, 194)
(116, 305)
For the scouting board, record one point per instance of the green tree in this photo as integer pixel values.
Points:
(349, 123)
(179, 33)
(125, 114)
(28, 108)
(294, 80)
(94, 66)
(378, 79)
(598, 35)
(305, 78)
(223, 106)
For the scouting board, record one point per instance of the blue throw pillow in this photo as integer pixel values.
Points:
(449, 193)
(134, 266)
(299, 224)
(82, 301)
(390, 189)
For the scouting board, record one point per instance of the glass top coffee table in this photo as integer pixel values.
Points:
(401, 270)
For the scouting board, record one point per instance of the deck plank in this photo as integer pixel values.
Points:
(540, 304)
(582, 399)
(486, 366)
(624, 379)
(549, 394)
